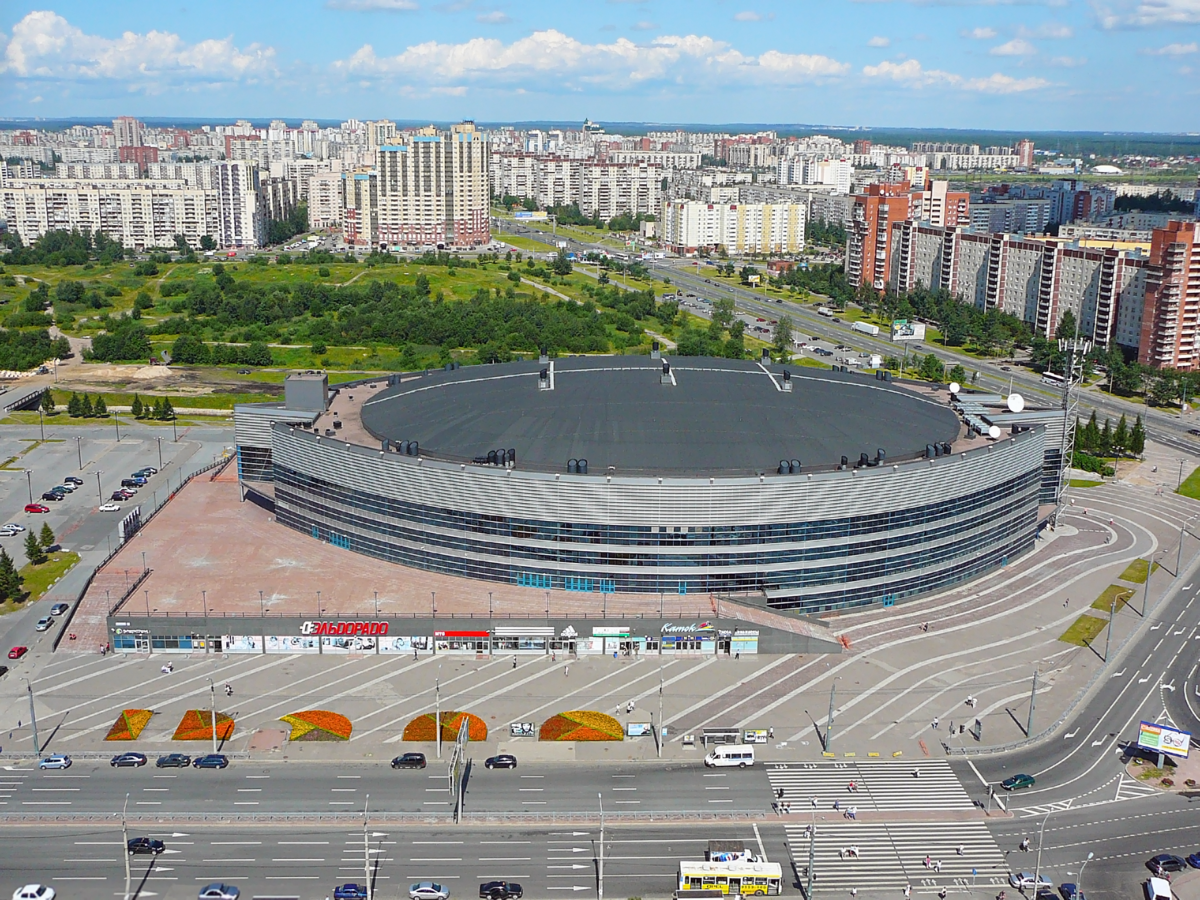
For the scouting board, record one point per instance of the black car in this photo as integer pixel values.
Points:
(1166, 862)
(500, 890)
(50, 495)
(210, 761)
(173, 761)
(3, 671)
(409, 761)
(128, 760)
(1195, 431)
(132, 482)
(139, 846)
(503, 761)
(71, 479)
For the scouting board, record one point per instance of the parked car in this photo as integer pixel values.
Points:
(128, 760)
(1195, 431)
(59, 609)
(210, 761)
(50, 496)
(428, 890)
(72, 479)
(409, 761)
(17, 652)
(1193, 860)
(350, 892)
(1024, 881)
(173, 761)
(145, 472)
(36, 508)
(500, 890)
(1070, 891)
(3, 671)
(141, 845)
(58, 761)
(34, 892)
(110, 507)
(1166, 862)
(8, 532)
(503, 761)
(132, 482)
(15, 527)
(219, 891)
(64, 488)
(43, 623)
(1017, 782)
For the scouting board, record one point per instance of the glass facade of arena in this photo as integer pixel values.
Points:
(876, 556)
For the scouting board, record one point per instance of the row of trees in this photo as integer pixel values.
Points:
(191, 350)
(126, 341)
(36, 545)
(62, 248)
(160, 409)
(1108, 440)
(85, 408)
(21, 350)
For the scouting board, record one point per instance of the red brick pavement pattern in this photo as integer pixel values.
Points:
(206, 540)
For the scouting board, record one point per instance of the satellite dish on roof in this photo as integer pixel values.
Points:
(994, 432)
(1016, 403)
(955, 387)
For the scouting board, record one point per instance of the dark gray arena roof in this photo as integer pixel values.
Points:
(720, 416)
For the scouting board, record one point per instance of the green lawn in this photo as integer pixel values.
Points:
(1191, 485)
(1083, 631)
(39, 579)
(1135, 572)
(1111, 593)
(1083, 483)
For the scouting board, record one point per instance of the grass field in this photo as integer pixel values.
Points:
(1191, 486)
(1113, 592)
(39, 579)
(1135, 572)
(1083, 483)
(1083, 631)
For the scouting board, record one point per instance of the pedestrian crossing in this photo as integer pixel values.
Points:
(880, 785)
(891, 856)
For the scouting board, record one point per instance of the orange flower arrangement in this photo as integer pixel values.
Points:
(423, 728)
(129, 725)
(318, 725)
(196, 725)
(581, 725)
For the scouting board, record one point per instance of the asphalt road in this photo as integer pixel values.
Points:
(93, 787)
(308, 862)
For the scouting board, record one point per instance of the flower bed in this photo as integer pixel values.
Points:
(129, 725)
(318, 725)
(196, 725)
(581, 725)
(422, 728)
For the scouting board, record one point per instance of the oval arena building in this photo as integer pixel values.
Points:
(803, 489)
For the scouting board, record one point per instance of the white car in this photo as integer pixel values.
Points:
(34, 892)
(110, 507)
(8, 532)
(14, 526)
(219, 891)
(55, 762)
(1024, 881)
(428, 890)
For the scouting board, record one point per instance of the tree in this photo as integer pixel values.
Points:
(562, 265)
(722, 312)
(931, 368)
(207, 243)
(181, 244)
(135, 408)
(1120, 437)
(74, 406)
(168, 411)
(85, 407)
(1137, 438)
(33, 549)
(47, 402)
(783, 336)
(958, 374)
(1066, 326)
(100, 408)
(158, 408)
(10, 578)
(46, 536)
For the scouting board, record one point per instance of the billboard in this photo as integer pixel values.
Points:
(639, 729)
(904, 330)
(535, 215)
(1163, 739)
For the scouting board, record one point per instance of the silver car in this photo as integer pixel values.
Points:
(428, 890)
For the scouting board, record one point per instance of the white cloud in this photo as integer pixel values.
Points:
(495, 17)
(1068, 62)
(1173, 50)
(1047, 31)
(621, 64)
(643, 26)
(747, 15)
(1015, 47)
(980, 34)
(46, 46)
(912, 74)
(1148, 13)
(369, 5)
(879, 41)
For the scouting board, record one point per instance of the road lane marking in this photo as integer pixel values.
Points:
(437, 859)
(302, 843)
(483, 859)
(236, 843)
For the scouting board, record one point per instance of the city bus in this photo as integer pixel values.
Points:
(1052, 378)
(737, 877)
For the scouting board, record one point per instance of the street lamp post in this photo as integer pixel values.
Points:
(600, 890)
(159, 439)
(41, 424)
(659, 724)
(829, 720)
(79, 452)
(125, 843)
(117, 423)
(212, 691)
(376, 604)
(37, 747)
(1179, 484)
(433, 602)
(99, 490)
(1079, 885)
(1179, 555)
(367, 847)
(29, 483)
(437, 715)
(1037, 869)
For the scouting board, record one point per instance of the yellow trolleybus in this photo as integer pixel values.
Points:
(737, 877)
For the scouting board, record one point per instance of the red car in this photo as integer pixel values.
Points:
(17, 652)
(36, 508)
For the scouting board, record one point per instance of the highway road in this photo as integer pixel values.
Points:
(309, 861)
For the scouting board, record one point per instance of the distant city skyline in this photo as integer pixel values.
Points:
(1039, 65)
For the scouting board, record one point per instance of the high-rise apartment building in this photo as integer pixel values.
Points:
(1025, 153)
(128, 132)
(689, 226)
(1169, 327)
(868, 237)
(613, 189)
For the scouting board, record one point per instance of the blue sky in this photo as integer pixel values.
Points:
(1009, 64)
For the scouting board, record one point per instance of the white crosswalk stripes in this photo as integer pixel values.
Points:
(1130, 788)
(891, 856)
(881, 785)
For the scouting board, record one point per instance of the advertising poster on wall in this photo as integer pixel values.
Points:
(422, 644)
(291, 644)
(242, 643)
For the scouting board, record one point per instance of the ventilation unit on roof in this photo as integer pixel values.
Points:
(544, 380)
(787, 381)
(766, 355)
(655, 351)
(667, 377)
(543, 356)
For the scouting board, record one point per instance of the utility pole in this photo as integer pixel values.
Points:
(600, 891)
(212, 690)
(829, 720)
(437, 718)
(117, 423)
(1032, 703)
(159, 439)
(29, 483)
(658, 736)
(367, 848)
(1074, 350)
(79, 452)
(125, 843)
(1146, 592)
(1037, 869)
(99, 490)
(1112, 610)
(812, 855)
(37, 747)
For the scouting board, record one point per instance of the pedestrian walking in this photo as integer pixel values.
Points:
(852, 812)
(770, 734)
(927, 862)
(566, 670)
(814, 799)
(960, 850)
(937, 866)
(907, 891)
(514, 662)
(1024, 843)
(837, 804)
(942, 894)
(935, 721)
(553, 657)
(916, 773)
